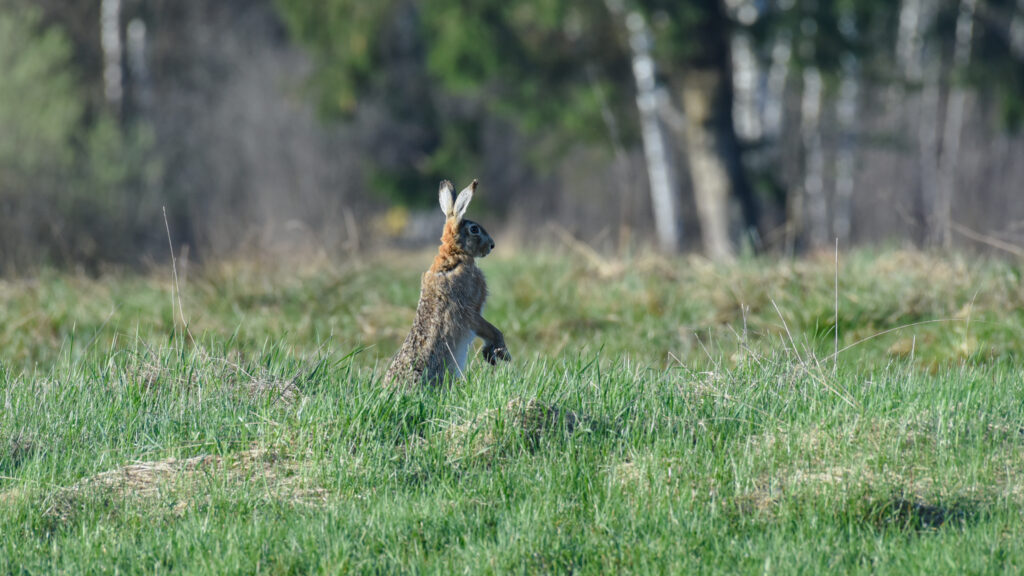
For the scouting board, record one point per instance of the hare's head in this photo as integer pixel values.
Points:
(461, 234)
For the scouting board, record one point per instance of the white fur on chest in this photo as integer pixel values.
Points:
(461, 352)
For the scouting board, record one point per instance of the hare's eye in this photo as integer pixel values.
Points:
(474, 229)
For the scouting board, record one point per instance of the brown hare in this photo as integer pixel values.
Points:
(452, 296)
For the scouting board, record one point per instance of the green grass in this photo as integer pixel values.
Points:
(660, 416)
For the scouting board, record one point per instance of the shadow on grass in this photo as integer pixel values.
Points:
(913, 514)
(874, 510)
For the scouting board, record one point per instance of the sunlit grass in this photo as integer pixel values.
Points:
(660, 415)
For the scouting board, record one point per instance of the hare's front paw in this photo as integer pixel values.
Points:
(494, 352)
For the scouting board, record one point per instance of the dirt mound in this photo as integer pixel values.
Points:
(521, 422)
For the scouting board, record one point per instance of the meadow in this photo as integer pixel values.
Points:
(660, 415)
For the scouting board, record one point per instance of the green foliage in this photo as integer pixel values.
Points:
(74, 182)
(117, 175)
(550, 66)
(547, 67)
(267, 443)
(344, 38)
(529, 60)
(824, 33)
(40, 109)
(522, 56)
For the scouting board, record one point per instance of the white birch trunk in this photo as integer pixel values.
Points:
(110, 42)
(660, 172)
(746, 72)
(744, 80)
(909, 38)
(778, 75)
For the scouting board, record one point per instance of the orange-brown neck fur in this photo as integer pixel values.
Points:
(449, 255)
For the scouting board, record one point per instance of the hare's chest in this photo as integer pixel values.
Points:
(462, 344)
(463, 289)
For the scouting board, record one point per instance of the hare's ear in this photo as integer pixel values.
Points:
(462, 202)
(446, 196)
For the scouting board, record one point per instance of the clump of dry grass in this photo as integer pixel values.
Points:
(494, 432)
(15, 449)
(154, 372)
(265, 386)
(146, 369)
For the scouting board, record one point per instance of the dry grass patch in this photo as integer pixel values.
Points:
(880, 499)
(645, 473)
(11, 496)
(853, 468)
(920, 494)
(183, 482)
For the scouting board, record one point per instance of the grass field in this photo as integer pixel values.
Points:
(659, 416)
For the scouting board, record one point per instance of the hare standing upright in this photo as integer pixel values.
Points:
(452, 296)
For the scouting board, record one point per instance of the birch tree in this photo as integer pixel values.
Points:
(110, 41)
(661, 173)
(528, 62)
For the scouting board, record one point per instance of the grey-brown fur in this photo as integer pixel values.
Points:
(452, 295)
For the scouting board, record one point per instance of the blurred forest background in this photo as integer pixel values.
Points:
(284, 127)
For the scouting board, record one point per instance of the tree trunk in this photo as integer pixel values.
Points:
(1017, 30)
(746, 79)
(846, 115)
(140, 88)
(928, 146)
(953, 127)
(710, 172)
(814, 159)
(846, 155)
(919, 63)
(110, 40)
(709, 136)
(663, 182)
(909, 39)
(775, 93)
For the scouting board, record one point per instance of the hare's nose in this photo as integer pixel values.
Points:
(492, 245)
